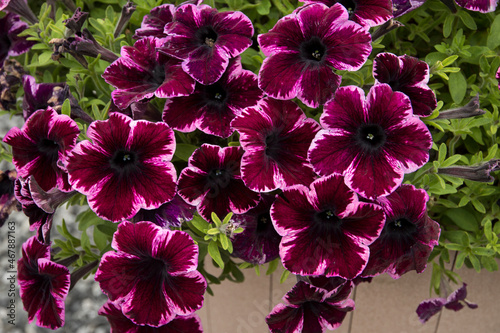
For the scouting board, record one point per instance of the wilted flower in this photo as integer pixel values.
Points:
(141, 72)
(43, 283)
(205, 39)
(153, 273)
(325, 229)
(455, 302)
(126, 167)
(408, 75)
(303, 47)
(19, 7)
(170, 214)
(408, 237)
(372, 142)
(10, 43)
(212, 182)
(44, 139)
(401, 7)
(471, 109)
(483, 6)
(275, 136)
(10, 79)
(478, 173)
(210, 108)
(311, 309)
(8, 201)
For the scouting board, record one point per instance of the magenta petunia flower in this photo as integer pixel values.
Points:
(212, 182)
(259, 242)
(311, 309)
(455, 301)
(368, 13)
(126, 167)
(211, 108)
(483, 6)
(170, 214)
(372, 142)
(153, 24)
(275, 136)
(303, 48)
(44, 285)
(497, 76)
(44, 139)
(401, 7)
(10, 43)
(153, 273)
(141, 72)
(408, 237)
(121, 324)
(205, 39)
(325, 229)
(409, 76)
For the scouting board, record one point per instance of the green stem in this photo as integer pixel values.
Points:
(453, 142)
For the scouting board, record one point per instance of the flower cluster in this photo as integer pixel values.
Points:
(304, 167)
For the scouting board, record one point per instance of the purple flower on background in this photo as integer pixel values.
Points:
(154, 23)
(121, 324)
(212, 182)
(401, 7)
(275, 136)
(44, 285)
(44, 139)
(408, 237)
(455, 302)
(141, 72)
(211, 108)
(325, 229)
(8, 201)
(483, 6)
(170, 214)
(42, 95)
(373, 143)
(259, 242)
(143, 110)
(19, 7)
(205, 39)
(153, 273)
(498, 77)
(126, 167)
(310, 309)
(303, 47)
(368, 13)
(10, 43)
(39, 206)
(408, 75)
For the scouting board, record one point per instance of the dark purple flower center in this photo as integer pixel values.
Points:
(263, 223)
(312, 50)
(5, 44)
(214, 94)
(124, 162)
(326, 222)
(49, 148)
(350, 5)
(273, 145)
(158, 75)
(401, 234)
(206, 36)
(218, 179)
(370, 137)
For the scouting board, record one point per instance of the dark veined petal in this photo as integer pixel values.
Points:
(483, 6)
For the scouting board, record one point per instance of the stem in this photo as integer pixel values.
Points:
(352, 312)
(98, 84)
(453, 142)
(441, 312)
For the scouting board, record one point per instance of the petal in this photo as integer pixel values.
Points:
(285, 319)
(318, 85)
(206, 65)
(280, 74)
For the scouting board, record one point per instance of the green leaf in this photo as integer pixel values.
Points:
(436, 277)
(238, 275)
(273, 265)
(451, 160)
(216, 219)
(460, 260)
(224, 241)
(184, 151)
(227, 218)
(101, 240)
(493, 40)
(475, 262)
(457, 87)
(213, 251)
(213, 231)
(448, 25)
(482, 251)
(488, 232)
(200, 224)
(66, 107)
(263, 7)
(454, 247)
(489, 263)
(463, 218)
(467, 19)
(284, 276)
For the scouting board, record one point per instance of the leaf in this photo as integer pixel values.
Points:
(436, 277)
(475, 262)
(457, 87)
(493, 40)
(263, 7)
(482, 251)
(448, 25)
(184, 151)
(284, 276)
(467, 19)
(238, 275)
(273, 265)
(216, 219)
(200, 224)
(213, 231)
(489, 263)
(224, 241)
(463, 218)
(213, 251)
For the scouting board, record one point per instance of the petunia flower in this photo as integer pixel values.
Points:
(310, 309)
(304, 47)
(8, 201)
(483, 6)
(372, 142)
(409, 76)
(10, 43)
(205, 39)
(212, 182)
(275, 136)
(210, 108)
(408, 237)
(153, 24)
(325, 229)
(141, 72)
(19, 7)
(121, 324)
(153, 273)
(455, 302)
(368, 13)
(259, 242)
(44, 139)
(43, 283)
(401, 7)
(170, 214)
(126, 167)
